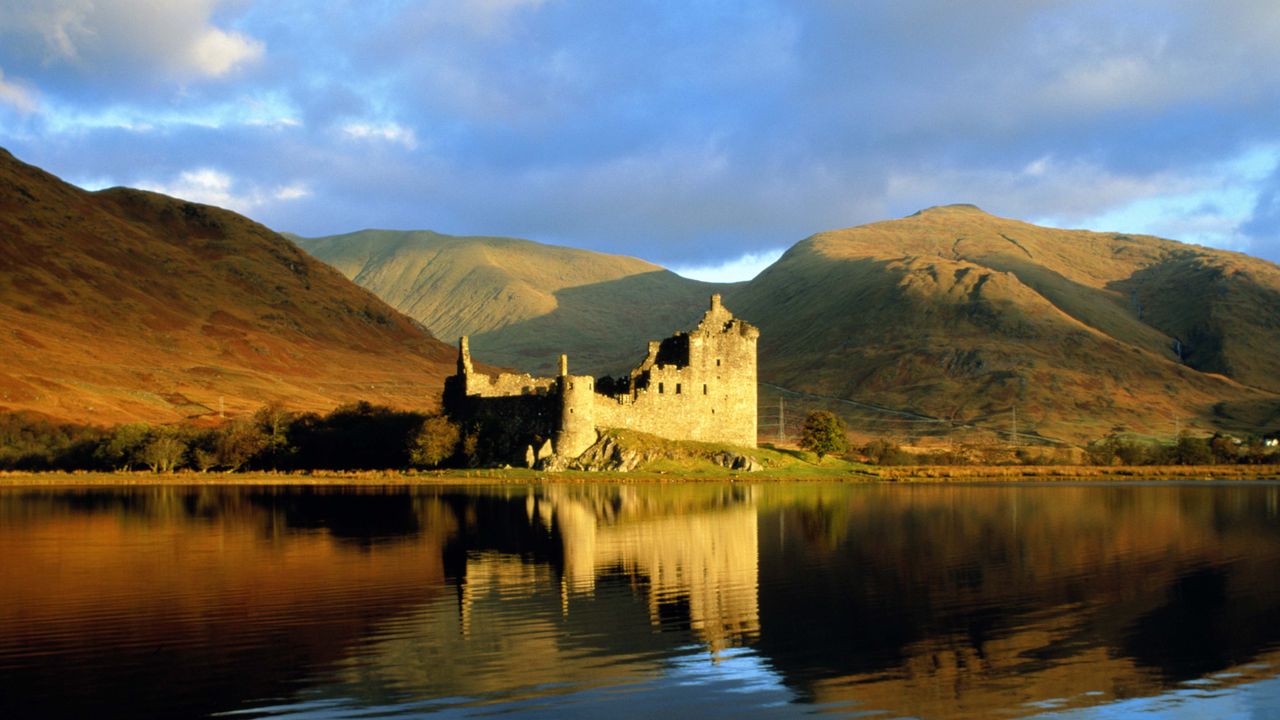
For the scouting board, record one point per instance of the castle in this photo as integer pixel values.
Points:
(699, 385)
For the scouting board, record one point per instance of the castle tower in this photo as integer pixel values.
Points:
(464, 356)
(577, 430)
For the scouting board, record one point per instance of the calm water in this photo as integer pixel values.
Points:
(623, 601)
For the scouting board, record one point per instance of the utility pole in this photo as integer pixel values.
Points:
(1015, 425)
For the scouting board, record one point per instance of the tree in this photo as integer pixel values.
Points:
(238, 442)
(1191, 450)
(164, 450)
(123, 449)
(1224, 449)
(272, 423)
(823, 434)
(436, 442)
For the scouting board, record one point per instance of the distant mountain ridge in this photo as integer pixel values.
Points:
(951, 313)
(523, 303)
(125, 305)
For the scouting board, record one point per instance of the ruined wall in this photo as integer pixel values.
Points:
(699, 385)
(711, 398)
(508, 413)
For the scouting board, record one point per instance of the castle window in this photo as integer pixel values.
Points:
(717, 362)
(704, 388)
(677, 388)
(659, 388)
(570, 386)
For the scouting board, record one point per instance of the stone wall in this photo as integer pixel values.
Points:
(699, 385)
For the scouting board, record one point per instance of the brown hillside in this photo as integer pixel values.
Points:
(523, 303)
(122, 305)
(958, 314)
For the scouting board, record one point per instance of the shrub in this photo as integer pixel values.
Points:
(884, 452)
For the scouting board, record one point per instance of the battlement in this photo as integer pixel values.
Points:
(694, 385)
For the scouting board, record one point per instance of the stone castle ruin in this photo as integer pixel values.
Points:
(696, 385)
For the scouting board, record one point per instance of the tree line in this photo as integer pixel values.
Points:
(362, 436)
(1113, 450)
(356, 436)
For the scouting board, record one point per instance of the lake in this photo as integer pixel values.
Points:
(636, 601)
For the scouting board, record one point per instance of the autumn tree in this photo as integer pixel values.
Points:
(436, 442)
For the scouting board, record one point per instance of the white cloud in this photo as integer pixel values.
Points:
(214, 187)
(1206, 206)
(16, 95)
(390, 132)
(741, 268)
(126, 38)
(216, 52)
(265, 111)
(1074, 189)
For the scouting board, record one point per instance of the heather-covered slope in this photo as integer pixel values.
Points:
(958, 314)
(121, 305)
(523, 303)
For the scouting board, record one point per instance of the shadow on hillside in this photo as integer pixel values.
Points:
(1221, 318)
(1255, 416)
(604, 327)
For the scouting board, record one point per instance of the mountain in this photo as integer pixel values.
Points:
(954, 313)
(523, 303)
(126, 305)
(949, 318)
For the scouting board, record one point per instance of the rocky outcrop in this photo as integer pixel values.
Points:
(613, 453)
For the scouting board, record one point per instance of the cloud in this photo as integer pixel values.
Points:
(17, 96)
(215, 52)
(121, 42)
(682, 134)
(389, 132)
(214, 187)
(744, 267)
(1262, 226)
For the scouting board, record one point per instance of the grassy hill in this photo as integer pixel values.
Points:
(954, 313)
(523, 303)
(127, 305)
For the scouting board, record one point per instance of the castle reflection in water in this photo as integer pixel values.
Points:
(925, 601)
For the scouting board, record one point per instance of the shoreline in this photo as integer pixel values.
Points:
(933, 474)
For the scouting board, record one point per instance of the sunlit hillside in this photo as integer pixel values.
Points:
(127, 305)
(957, 314)
(523, 303)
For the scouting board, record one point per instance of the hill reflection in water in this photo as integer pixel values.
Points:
(927, 601)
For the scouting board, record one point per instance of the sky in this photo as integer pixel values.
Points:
(704, 136)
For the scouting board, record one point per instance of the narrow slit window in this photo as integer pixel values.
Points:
(717, 362)
(677, 388)
(704, 388)
(659, 388)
